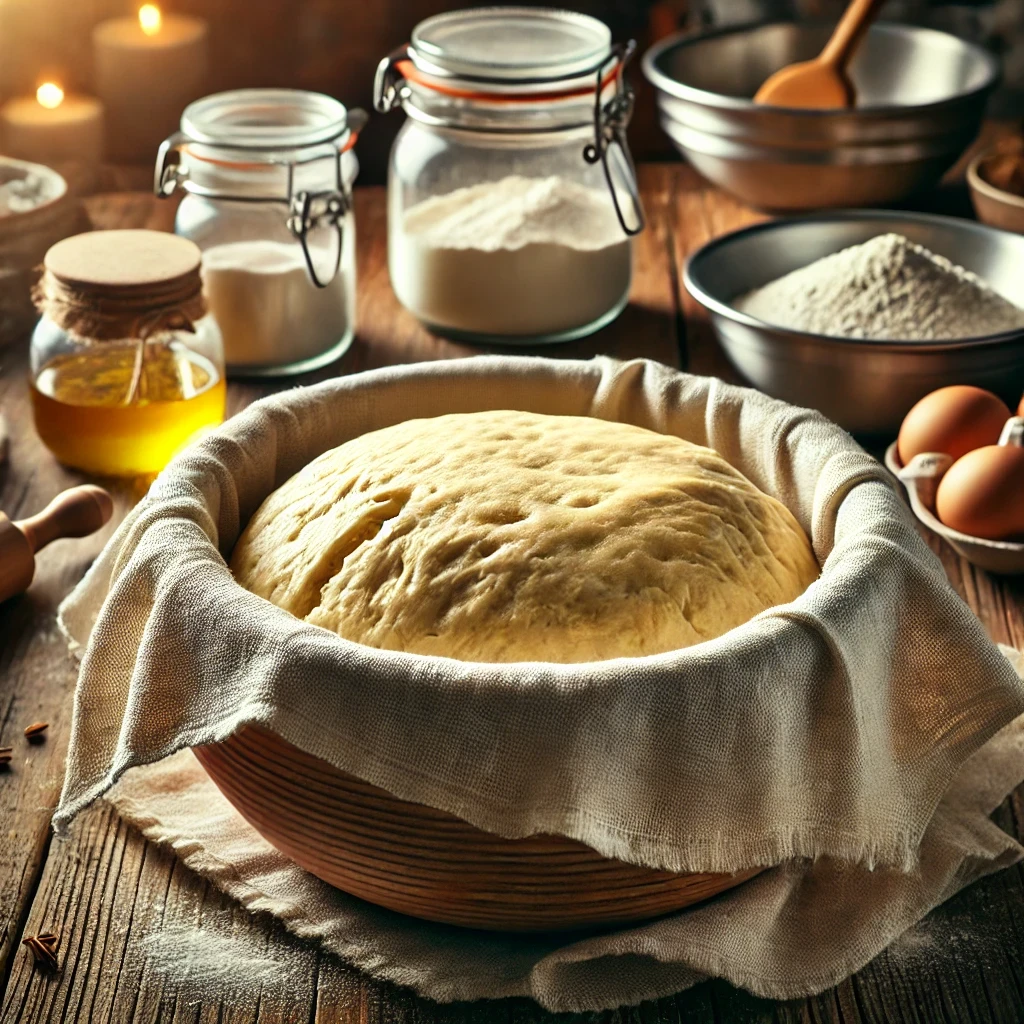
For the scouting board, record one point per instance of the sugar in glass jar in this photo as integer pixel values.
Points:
(267, 178)
(512, 197)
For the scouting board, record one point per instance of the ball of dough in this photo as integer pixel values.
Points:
(509, 536)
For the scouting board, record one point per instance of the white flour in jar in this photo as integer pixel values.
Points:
(887, 288)
(516, 257)
(268, 310)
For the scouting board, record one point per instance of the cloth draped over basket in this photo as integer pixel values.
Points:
(827, 730)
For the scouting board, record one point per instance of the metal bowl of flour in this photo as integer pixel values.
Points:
(921, 98)
(865, 386)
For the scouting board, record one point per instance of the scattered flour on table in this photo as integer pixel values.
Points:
(211, 962)
(938, 940)
(886, 288)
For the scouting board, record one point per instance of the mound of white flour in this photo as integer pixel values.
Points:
(518, 257)
(514, 212)
(888, 288)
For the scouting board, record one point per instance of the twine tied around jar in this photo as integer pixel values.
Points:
(94, 312)
(132, 286)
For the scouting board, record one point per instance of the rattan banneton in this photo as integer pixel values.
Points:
(427, 863)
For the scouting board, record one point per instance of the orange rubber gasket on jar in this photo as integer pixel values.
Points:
(411, 73)
(259, 165)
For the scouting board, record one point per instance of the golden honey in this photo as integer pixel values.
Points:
(123, 409)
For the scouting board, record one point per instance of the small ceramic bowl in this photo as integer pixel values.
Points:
(921, 479)
(993, 205)
(52, 196)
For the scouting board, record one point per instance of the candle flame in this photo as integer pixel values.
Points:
(50, 95)
(150, 18)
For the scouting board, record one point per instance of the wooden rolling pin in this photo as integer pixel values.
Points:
(74, 513)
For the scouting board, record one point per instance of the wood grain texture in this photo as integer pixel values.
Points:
(421, 861)
(36, 672)
(112, 895)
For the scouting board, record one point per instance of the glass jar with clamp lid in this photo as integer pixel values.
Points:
(267, 178)
(512, 197)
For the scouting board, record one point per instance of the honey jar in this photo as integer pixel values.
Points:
(126, 364)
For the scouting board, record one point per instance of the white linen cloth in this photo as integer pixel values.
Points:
(828, 729)
(795, 930)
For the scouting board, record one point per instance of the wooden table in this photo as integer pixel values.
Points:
(105, 889)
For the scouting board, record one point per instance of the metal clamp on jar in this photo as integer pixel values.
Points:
(512, 196)
(267, 176)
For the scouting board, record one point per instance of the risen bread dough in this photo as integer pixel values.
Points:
(509, 536)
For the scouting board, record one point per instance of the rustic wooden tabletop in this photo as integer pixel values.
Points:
(110, 894)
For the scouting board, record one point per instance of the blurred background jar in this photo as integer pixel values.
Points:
(512, 197)
(126, 364)
(267, 178)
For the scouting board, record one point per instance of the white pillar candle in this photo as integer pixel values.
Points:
(148, 69)
(51, 128)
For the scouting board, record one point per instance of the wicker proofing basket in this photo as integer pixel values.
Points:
(424, 862)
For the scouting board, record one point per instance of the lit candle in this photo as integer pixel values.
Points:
(51, 128)
(148, 69)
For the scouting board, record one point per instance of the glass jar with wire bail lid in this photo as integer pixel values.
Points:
(512, 196)
(267, 178)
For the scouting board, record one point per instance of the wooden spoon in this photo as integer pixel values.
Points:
(73, 513)
(823, 83)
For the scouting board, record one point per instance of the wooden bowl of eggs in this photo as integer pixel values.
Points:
(960, 455)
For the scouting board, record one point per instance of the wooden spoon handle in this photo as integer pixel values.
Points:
(73, 513)
(849, 32)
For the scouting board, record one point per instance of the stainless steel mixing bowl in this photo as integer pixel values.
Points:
(865, 386)
(921, 96)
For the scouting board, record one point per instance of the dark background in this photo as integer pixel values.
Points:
(333, 46)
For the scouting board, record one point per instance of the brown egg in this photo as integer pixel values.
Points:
(1020, 407)
(982, 494)
(954, 420)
